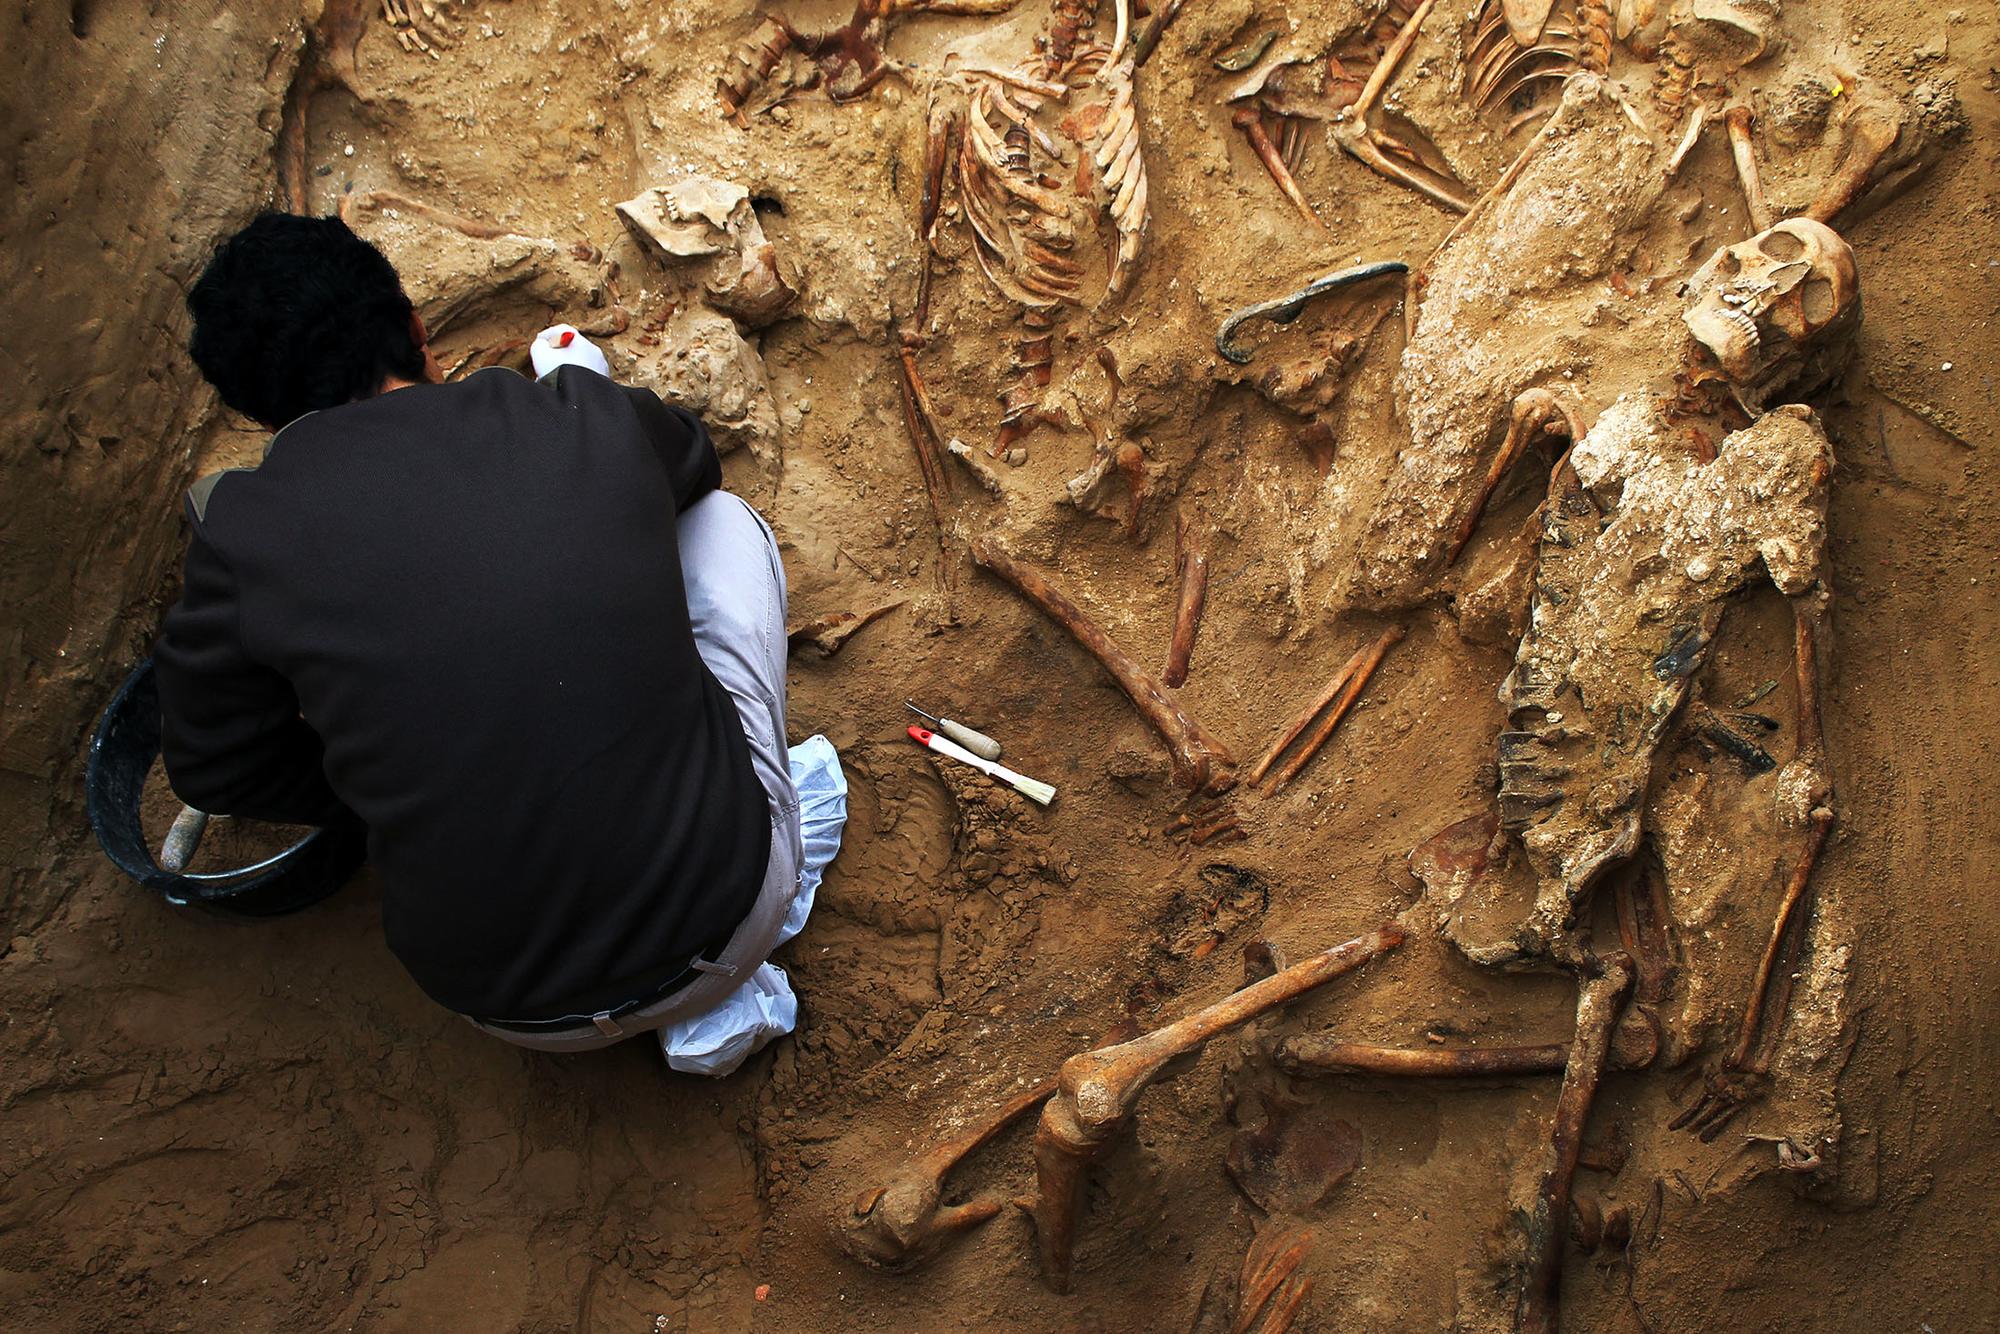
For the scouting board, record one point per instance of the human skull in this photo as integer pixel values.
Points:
(1777, 310)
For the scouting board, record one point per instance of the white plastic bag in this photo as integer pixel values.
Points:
(562, 345)
(717, 1041)
(764, 1007)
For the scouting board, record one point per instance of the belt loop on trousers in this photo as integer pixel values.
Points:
(728, 970)
(606, 1024)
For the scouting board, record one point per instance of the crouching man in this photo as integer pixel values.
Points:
(516, 629)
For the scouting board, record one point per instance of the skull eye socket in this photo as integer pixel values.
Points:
(1781, 246)
(1728, 265)
(1816, 299)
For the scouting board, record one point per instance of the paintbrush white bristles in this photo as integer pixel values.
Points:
(1034, 789)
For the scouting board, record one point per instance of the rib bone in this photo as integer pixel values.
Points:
(1269, 1270)
(1199, 762)
(1101, 1089)
(1116, 150)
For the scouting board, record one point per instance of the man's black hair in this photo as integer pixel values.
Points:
(296, 314)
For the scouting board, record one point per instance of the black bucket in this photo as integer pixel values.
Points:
(122, 754)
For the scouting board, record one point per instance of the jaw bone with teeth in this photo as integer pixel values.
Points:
(1777, 310)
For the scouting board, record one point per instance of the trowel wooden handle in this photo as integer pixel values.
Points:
(183, 838)
(980, 744)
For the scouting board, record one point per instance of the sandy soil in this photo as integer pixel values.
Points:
(209, 1126)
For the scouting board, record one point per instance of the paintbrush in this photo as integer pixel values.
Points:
(1033, 789)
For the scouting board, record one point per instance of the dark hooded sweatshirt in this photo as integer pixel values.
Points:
(456, 612)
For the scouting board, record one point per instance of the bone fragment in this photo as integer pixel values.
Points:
(388, 199)
(1192, 559)
(917, 420)
(903, 1221)
(1535, 412)
(1773, 987)
(1644, 926)
(1688, 139)
(1741, 1074)
(1101, 1089)
(1813, 749)
(1874, 136)
(1598, 1002)
(830, 632)
(1251, 121)
(1304, 717)
(1122, 456)
(959, 7)
(969, 457)
(1308, 1056)
(1292, 141)
(1739, 119)
(1026, 82)
(1227, 827)
(1199, 762)
(1359, 136)
(941, 135)
(1341, 692)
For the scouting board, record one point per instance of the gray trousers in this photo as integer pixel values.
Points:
(736, 598)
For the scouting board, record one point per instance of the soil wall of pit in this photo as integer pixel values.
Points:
(205, 1126)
